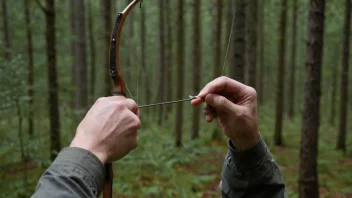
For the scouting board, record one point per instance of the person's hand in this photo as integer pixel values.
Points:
(235, 106)
(109, 130)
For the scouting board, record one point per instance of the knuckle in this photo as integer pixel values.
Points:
(222, 101)
(251, 91)
(223, 78)
(120, 106)
(137, 124)
(100, 100)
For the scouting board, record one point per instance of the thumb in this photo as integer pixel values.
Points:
(220, 103)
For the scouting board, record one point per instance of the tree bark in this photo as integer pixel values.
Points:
(333, 94)
(280, 76)
(161, 91)
(7, 50)
(251, 54)
(81, 103)
(71, 7)
(30, 67)
(261, 74)
(291, 90)
(196, 64)
(238, 40)
(308, 178)
(180, 73)
(169, 62)
(106, 16)
(53, 101)
(143, 59)
(92, 52)
(341, 142)
(217, 13)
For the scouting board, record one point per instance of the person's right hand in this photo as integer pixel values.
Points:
(109, 130)
(235, 106)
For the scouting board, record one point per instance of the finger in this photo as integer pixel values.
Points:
(209, 113)
(220, 103)
(131, 105)
(197, 101)
(221, 84)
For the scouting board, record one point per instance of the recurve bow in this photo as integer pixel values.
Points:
(117, 77)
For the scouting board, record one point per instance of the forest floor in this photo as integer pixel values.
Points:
(158, 169)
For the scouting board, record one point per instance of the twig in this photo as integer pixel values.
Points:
(42, 7)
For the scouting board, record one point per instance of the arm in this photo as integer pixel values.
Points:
(106, 134)
(74, 173)
(251, 173)
(249, 170)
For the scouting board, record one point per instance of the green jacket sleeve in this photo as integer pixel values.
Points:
(251, 173)
(74, 173)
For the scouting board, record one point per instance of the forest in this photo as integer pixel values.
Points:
(54, 65)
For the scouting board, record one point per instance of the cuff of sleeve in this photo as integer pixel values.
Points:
(247, 160)
(87, 162)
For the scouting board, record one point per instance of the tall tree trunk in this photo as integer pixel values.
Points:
(341, 142)
(143, 59)
(180, 73)
(292, 84)
(106, 16)
(251, 55)
(20, 137)
(280, 76)
(129, 63)
(53, 101)
(92, 51)
(308, 178)
(71, 7)
(229, 36)
(238, 40)
(333, 92)
(6, 30)
(217, 13)
(196, 64)
(161, 61)
(81, 59)
(261, 74)
(169, 62)
(30, 67)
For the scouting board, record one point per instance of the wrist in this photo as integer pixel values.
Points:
(246, 143)
(88, 147)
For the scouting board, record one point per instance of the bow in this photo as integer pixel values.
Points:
(116, 75)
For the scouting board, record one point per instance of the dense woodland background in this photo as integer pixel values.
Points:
(53, 66)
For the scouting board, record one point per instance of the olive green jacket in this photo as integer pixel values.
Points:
(78, 173)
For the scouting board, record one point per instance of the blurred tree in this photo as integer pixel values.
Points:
(143, 59)
(7, 50)
(169, 57)
(341, 142)
(260, 83)
(71, 7)
(81, 98)
(106, 17)
(308, 178)
(291, 90)
(229, 31)
(129, 32)
(334, 90)
(180, 72)
(217, 13)
(280, 75)
(92, 51)
(238, 40)
(53, 100)
(251, 48)
(30, 67)
(161, 87)
(196, 64)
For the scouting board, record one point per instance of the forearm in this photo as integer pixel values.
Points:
(251, 173)
(74, 173)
